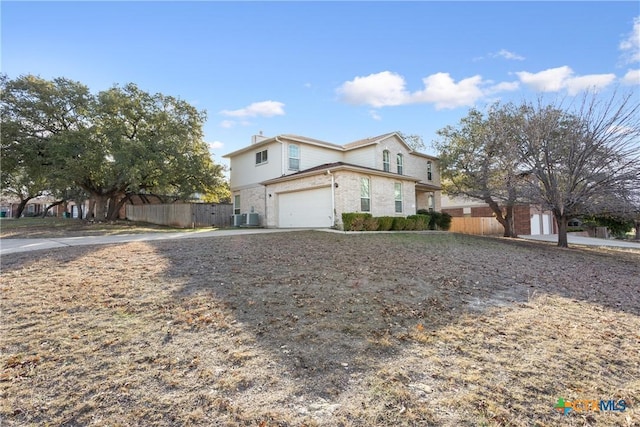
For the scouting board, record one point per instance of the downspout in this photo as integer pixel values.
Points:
(333, 199)
(265, 225)
(283, 158)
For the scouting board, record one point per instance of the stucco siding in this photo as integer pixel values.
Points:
(312, 156)
(365, 156)
(245, 172)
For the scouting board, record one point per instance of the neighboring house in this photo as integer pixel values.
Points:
(36, 207)
(294, 181)
(528, 219)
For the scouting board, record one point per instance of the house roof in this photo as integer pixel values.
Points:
(346, 147)
(288, 137)
(317, 170)
(369, 141)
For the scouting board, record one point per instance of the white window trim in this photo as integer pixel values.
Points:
(262, 162)
(400, 164)
(236, 204)
(396, 199)
(289, 158)
(368, 195)
(386, 163)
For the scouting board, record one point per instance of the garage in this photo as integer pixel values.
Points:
(541, 224)
(305, 209)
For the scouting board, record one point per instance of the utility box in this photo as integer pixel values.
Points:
(253, 219)
(239, 220)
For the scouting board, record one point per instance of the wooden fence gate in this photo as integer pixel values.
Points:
(185, 215)
(212, 214)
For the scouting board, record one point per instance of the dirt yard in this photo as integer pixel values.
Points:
(319, 329)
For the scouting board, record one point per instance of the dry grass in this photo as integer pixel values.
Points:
(49, 227)
(318, 329)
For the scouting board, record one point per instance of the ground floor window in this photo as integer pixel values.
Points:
(236, 204)
(398, 196)
(365, 195)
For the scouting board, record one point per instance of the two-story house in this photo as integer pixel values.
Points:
(295, 181)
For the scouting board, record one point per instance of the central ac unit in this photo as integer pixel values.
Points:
(253, 219)
(239, 220)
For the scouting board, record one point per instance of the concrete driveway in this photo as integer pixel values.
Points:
(588, 241)
(9, 246)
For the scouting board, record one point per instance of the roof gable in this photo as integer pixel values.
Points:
(346, 147)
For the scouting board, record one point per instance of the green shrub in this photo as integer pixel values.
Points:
(439, 221)
(421, 221)
(385, 223)
(399, 223)
(444, 221)
(354, 221)
(371, 224)
(410, 223)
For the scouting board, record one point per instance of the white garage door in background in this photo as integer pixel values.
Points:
(305, 209)
(541, 224)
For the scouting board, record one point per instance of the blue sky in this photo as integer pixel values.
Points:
(334, 71)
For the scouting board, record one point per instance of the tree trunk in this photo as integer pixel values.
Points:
(56, 203)
(117, 202)
(79, 206)
(21, 206)
(100, 207)
(91, 210)
(562, 221)
(506, 222)
(510, 230)
(637, 225)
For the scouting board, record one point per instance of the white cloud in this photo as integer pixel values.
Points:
(227, 124)
(215, 145)
(378, 90)
(551, 80)
(560, 78)
(386, 89)
(632, 77)
(631, 45)
(261, 109)
(502, 87)
(441, 90)
(576, 85)
(504, 53)
(374, 115)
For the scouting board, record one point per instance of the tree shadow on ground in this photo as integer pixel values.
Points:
(327, 305)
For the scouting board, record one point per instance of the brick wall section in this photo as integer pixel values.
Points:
(481, 211)
(522, 219)
(454, 212)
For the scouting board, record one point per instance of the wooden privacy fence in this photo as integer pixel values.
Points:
(183, 215)
(484, 226)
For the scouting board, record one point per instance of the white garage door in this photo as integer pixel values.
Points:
(309, 208)
(535, 224)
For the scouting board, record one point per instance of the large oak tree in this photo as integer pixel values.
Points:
(111, 145)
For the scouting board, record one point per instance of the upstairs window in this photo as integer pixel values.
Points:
(386, 163)
(399, 162)
(429, 171)
(294, 157)
(261, 157)
(365, 195)
(398, 196)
